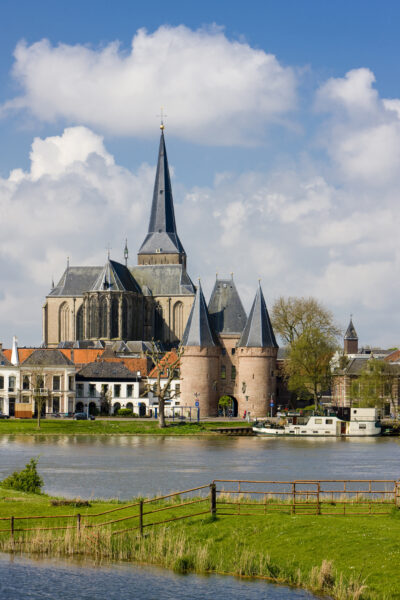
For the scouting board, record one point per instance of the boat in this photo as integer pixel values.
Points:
(364, 422)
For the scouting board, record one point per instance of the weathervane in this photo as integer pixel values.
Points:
(162, 117)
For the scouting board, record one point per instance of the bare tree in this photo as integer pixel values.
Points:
(165, 370)
(41, 394)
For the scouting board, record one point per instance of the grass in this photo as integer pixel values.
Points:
(110, 427)
(342, 557)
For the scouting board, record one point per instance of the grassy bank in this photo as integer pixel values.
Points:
(110, 427)
(343, 557)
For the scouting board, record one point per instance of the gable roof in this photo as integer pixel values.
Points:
(45, 357)
(198, 330)
(225, 308)
(168, 359)
(258, 332)
(106, 370)
(115, 277)
(75, 281)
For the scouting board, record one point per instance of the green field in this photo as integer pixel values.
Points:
(110, 427)
(342, 557)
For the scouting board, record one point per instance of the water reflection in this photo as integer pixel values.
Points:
(23, 579)
(125, 466)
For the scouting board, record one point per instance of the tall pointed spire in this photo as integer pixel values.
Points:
(227, 314)
(351, 333)
(198, 330)
(258, 332)
(162, 244)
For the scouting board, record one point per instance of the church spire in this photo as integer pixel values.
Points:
(258, 332)
(162, 244)
(351, 339)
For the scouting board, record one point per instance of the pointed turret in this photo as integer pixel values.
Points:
(351, 339)
(258, 332)
(227, 315)
(198, 330)
(162, 244)
(14, 352)
(114, 277)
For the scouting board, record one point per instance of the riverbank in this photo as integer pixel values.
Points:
(343, 557)
(113, 427)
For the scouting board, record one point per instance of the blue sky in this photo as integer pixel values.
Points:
(283, 133)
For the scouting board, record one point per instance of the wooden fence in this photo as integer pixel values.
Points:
(353, 497)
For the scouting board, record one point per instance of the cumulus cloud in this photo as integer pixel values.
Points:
(217, 91)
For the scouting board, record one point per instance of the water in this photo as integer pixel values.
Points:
(127, 466)
(24, 579)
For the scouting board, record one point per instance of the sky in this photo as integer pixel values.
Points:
(282, 132)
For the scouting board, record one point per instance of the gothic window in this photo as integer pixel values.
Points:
(93, 318)
(114, 317)
(125, 334)
(178, 320)
(79, 324)
(103, 317)
(64, 322)
(158, 322)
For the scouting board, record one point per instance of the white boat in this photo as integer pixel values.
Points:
(363, 422)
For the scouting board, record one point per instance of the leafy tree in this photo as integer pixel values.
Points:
(165, 370)
(27, 480)
(308, 364)
(375, 384)
(225, 403)
(293, 316)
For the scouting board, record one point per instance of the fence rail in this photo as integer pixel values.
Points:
(335, 497)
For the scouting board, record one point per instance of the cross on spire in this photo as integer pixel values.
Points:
(162, 117)
(108, 248)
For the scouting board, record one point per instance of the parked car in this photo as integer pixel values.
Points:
(3, 416)
(82, 416)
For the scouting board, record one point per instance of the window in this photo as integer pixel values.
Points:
(233, 350)
(11, 383)
(1, 383)
(104, 389)
(79, 390)
(56, 383)
(70, 383)
(1, 404)
(329, 421)
(178, 389)
(25, 399)
(233, 373)
(362, 426)
(25, 383)
(92, 390)
(117, 391)
(129, 390)
(318, 421)
(223, 372)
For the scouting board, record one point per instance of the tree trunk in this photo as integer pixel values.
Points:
(39, 410)
(161, 413)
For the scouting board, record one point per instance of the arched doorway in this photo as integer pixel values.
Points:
(228, 406)
(142, 409)
(116, 408)
(93, 408)
(129, 406)
(79, 407)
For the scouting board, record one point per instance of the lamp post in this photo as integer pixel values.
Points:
(197, 405)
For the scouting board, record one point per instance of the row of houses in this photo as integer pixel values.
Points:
(69, 380)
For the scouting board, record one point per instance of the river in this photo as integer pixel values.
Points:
(127, 466)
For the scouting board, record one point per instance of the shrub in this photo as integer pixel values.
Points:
(27, 480)
(124, 412)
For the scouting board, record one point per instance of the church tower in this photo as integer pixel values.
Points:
(162, 245)
(351, 339)
(200, 360)
(257, 352)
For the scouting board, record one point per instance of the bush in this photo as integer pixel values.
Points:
(124, 412)
(27, 480)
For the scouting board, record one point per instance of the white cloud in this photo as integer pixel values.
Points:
(216, 91)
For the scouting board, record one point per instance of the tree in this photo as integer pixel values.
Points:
(375, 384)
(40, 393)
(293, 316)
(224, 403)
(308, 364)
(165, 370)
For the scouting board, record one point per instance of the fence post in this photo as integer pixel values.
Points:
(294, 497)
(141, 518)
(12, 527)
(78, 523)
(318, 504)
(213, 499)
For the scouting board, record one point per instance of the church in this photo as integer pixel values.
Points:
(225, 352)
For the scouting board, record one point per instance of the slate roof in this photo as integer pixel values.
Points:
(163, 280)
(106, 371)
(351, 333)
(75, 281)
(162, 235)
(198, 330)
(47, 358)
(225, 308)
(258, 332)
(115, 277)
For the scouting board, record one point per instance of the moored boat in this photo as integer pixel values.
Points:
(363, 422)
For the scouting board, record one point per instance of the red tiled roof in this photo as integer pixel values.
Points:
(165, 362)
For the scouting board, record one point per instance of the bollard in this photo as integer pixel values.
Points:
(213, 499)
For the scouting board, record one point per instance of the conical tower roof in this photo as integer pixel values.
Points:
(258, 332)
(162, 236)
(351, 333)
(198, 330)
(227, 314)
